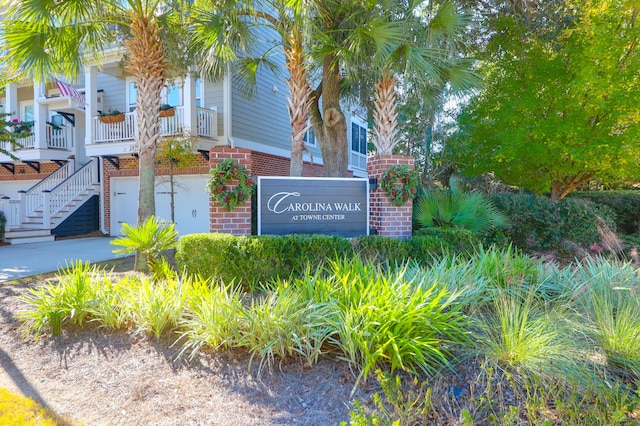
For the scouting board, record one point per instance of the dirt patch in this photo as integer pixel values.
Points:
(115, 378)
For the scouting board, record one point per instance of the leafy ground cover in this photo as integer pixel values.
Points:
(495, 338)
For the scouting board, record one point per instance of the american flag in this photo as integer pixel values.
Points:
(67, 90)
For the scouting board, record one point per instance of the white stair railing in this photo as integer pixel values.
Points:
(31, 199)
(57, 198)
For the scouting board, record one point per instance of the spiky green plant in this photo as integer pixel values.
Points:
(213, 317)
(283, 324)
(488, 272)
(111, 309)
(379, 318)
(455, 208)
(150, 239)
(614, 319)
(520, 335)
(70, 300)
(155, 309)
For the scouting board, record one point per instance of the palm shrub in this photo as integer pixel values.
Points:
(68, 301)
(380, 318)
(455, 208)
(150, 239)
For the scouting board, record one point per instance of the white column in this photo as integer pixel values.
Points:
(39, 116)
(11, 101)
(189, 101)
(90, 110)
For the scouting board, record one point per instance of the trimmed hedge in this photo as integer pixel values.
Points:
(537, 224)
(624, 204)
(3, 223)
(254, 260)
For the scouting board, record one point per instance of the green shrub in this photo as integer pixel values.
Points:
(253, 260)
(455, 240)
(537, 224)
(381, 249)
(3, 224)
(624, 204)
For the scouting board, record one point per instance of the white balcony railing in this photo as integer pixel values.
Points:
(206, 119)
(61, 138)
(27, 143)
(115, 132)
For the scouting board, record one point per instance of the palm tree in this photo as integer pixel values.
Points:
(420, 51)
(285, 18)
(48, 39)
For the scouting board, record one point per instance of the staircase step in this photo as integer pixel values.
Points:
(25, 236)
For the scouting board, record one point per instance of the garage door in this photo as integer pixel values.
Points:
(191, 201)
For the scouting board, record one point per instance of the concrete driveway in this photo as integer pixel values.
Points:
(24, 260)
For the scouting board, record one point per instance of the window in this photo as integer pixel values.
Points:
(26, 111)
(358, 139)
(198, 92)
(309, 137)
(172, 95)
(132, 95)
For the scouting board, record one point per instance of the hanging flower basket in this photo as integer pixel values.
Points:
(117, 118)
(167, 111)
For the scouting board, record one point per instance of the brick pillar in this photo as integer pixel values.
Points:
(387, 219)
(238, 220)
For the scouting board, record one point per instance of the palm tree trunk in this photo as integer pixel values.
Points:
(385, 116)
(298, 102)
(147, 63)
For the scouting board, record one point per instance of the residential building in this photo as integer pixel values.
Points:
(78, 171)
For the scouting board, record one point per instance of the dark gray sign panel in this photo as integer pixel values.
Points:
(333, 206)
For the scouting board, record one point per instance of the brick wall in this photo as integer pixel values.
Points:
(387, 219)
(237, 221)
(24, 172)
(274, 165)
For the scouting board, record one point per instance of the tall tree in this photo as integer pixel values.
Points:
(286, 23)
(420, 54)
(52, 38)
(560, 105)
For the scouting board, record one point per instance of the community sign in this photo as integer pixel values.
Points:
(333, 206)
